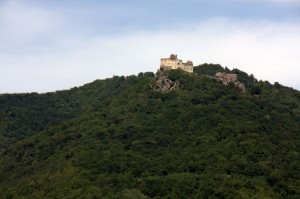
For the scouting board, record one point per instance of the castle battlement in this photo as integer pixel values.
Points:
(173, 62)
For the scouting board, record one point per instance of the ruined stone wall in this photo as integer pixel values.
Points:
(226, 77)
(188, 68)
(169, 63)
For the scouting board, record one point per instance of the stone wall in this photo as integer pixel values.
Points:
(173, 63)
(226, 77)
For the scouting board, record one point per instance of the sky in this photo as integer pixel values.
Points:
(55, 45)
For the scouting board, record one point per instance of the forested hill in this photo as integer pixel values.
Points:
(118, 138)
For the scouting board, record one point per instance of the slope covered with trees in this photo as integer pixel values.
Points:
(117, 138)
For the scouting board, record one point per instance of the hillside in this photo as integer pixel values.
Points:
(118, 138)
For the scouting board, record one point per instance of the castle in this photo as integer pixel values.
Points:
(174, 63)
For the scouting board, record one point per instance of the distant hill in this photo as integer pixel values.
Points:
(118, 138)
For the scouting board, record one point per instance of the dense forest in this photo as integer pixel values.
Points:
(118, 138)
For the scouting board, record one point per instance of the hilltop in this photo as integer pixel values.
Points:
(121, 138)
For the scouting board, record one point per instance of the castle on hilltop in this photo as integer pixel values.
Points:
(174, 63)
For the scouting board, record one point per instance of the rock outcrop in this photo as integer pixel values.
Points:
(164, 84)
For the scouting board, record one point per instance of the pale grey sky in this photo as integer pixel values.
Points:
(54, 45)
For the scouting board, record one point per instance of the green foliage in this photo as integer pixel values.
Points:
(208, 69)
(117, 138)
